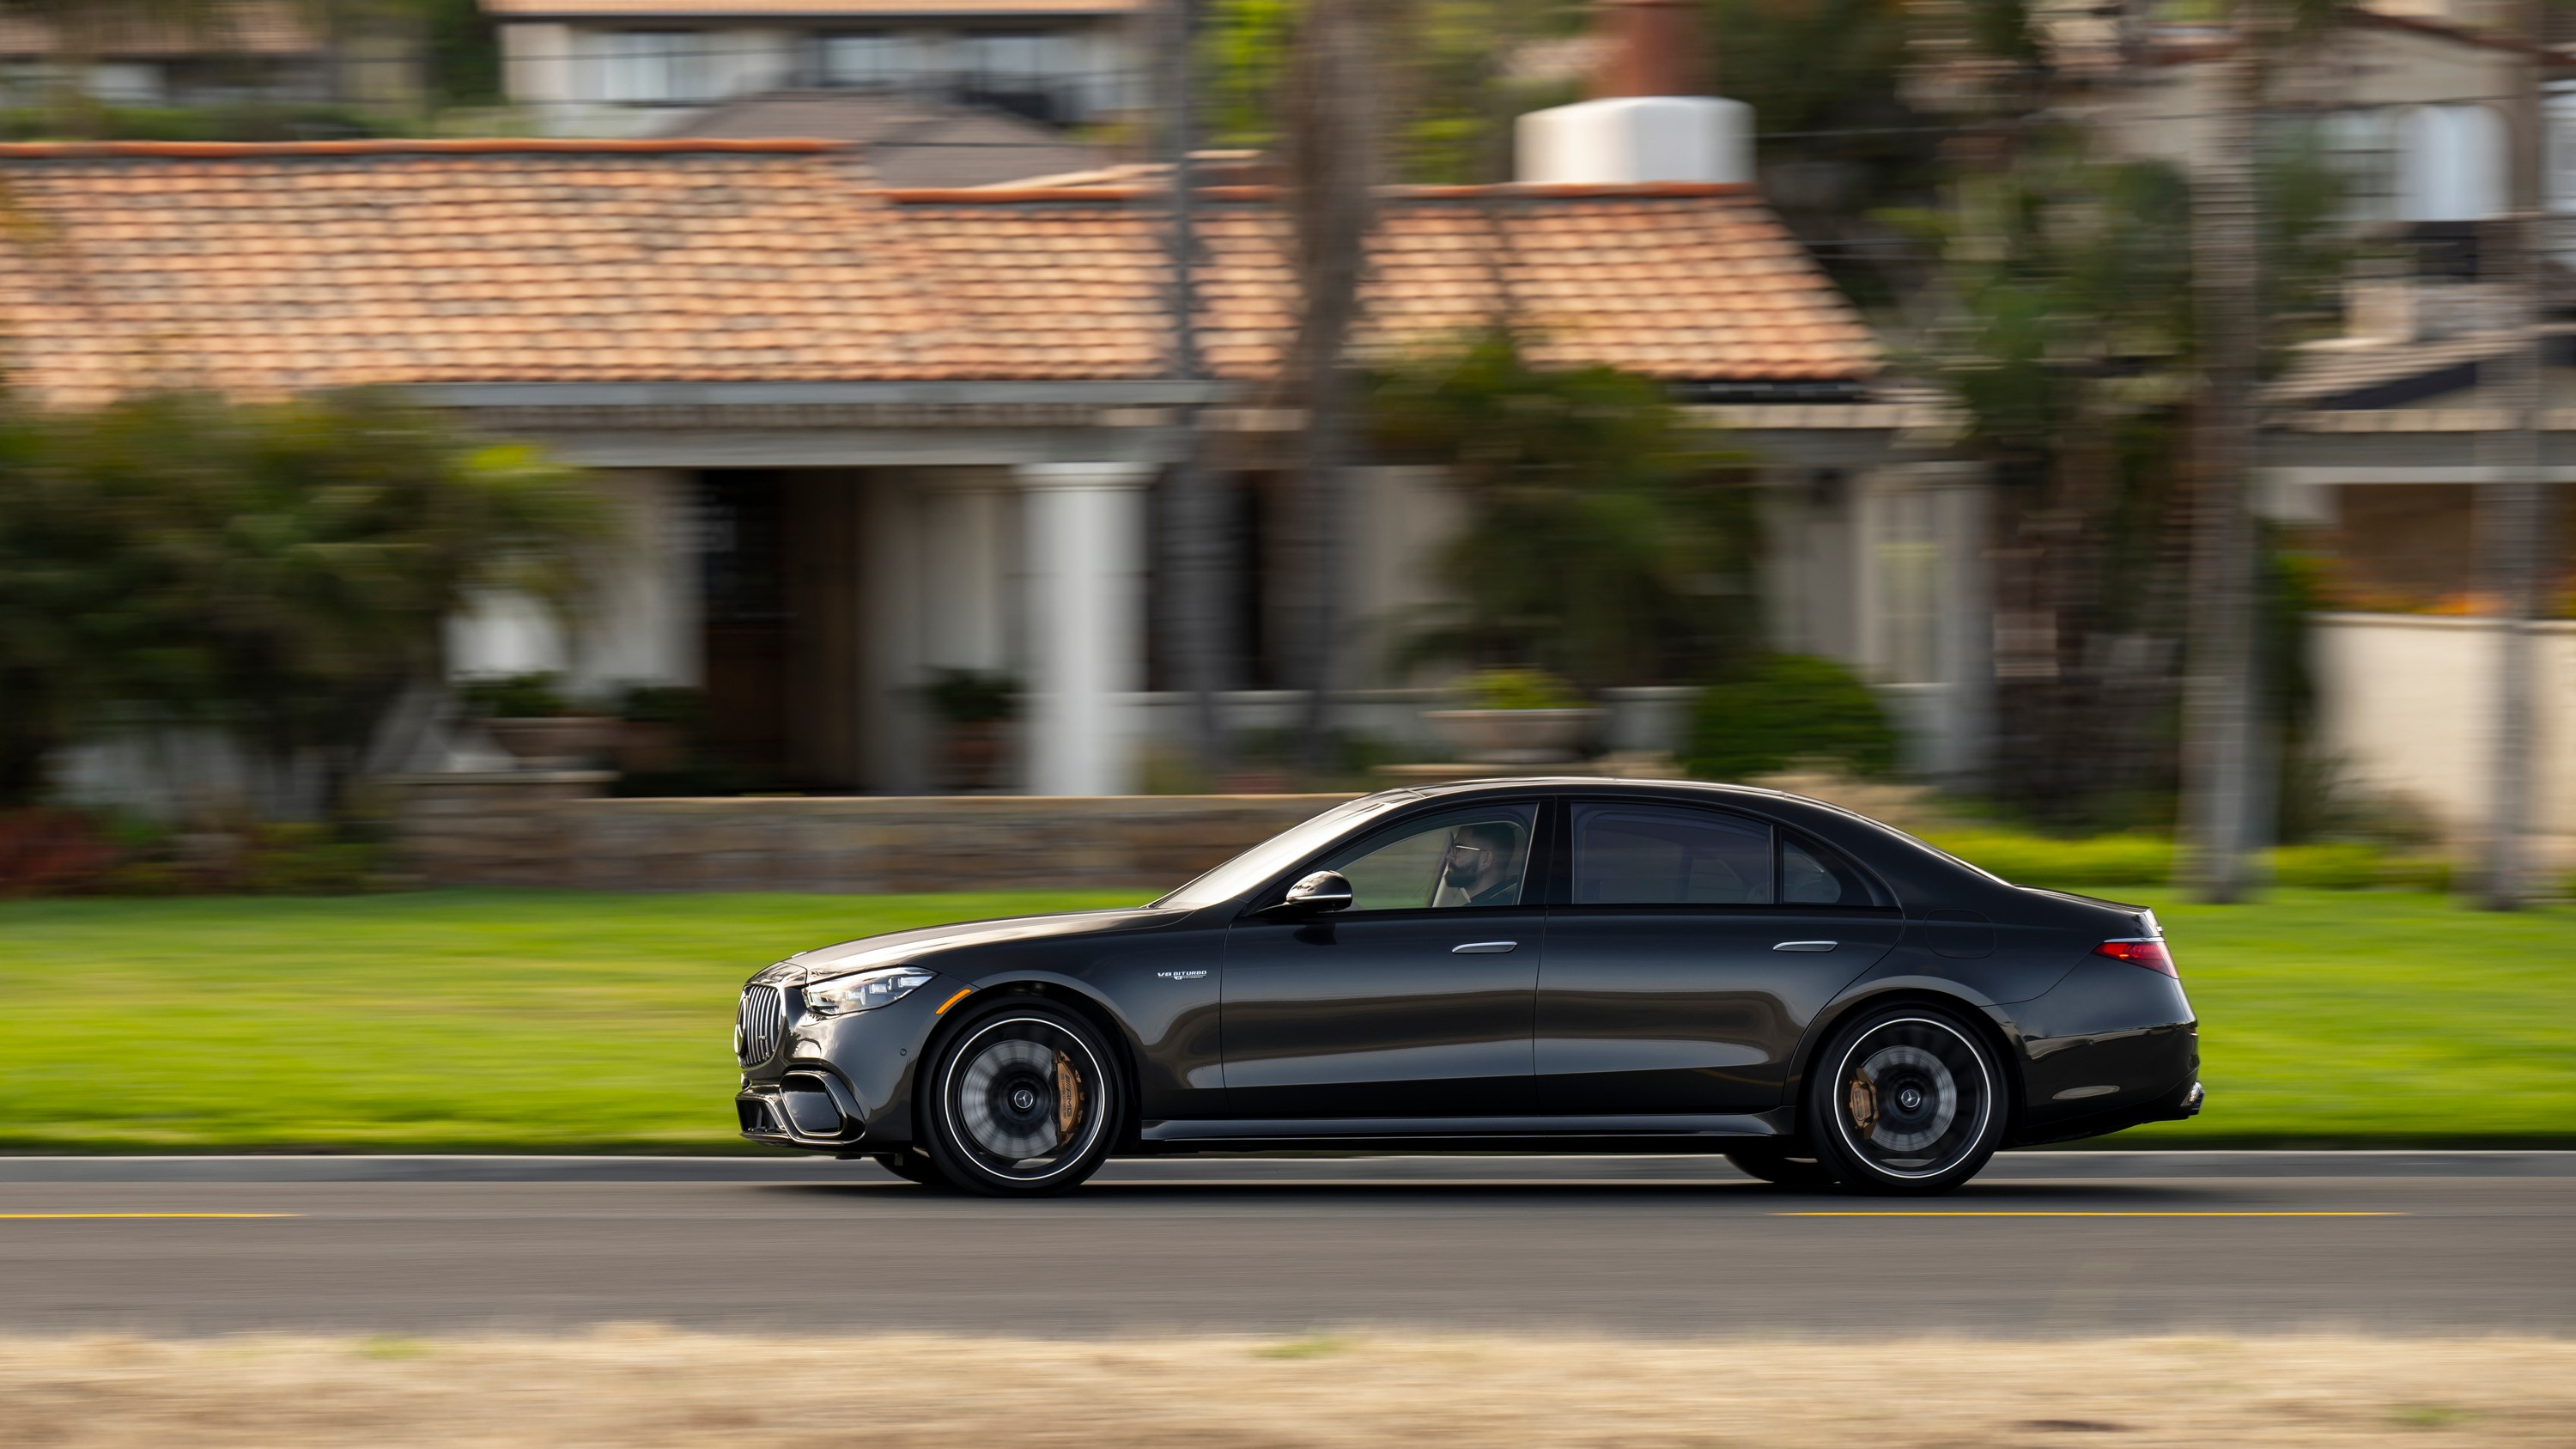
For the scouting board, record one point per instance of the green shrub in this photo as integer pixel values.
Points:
(514, 696)
(972, 696)
(2035, 860)
(2416, 873)
(2338, 865)
(1520, 689)
(1790, 707)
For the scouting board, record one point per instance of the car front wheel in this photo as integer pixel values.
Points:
(1906, 1100)
(1022, 1101)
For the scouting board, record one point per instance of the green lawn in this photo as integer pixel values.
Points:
(549, 1021)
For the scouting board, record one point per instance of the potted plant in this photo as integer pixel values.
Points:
(528, 716)
(1516, 717)
(973, 705)
(655, 723)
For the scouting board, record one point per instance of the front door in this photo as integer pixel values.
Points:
(1695, 948)
(1414, 1002)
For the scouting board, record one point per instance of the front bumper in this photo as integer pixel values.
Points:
(840, 1083)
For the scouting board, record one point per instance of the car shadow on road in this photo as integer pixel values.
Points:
(2001, 1196)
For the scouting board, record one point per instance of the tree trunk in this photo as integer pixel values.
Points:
(2218, 721)
(1332, 114)
(2513, 516)
(1195, 548)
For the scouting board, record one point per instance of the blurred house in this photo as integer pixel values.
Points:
(2374, 453)
(909, 139)
(627, 67)
(2377, 440)
(221, 53)
(862, 433)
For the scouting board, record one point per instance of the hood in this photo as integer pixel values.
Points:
(899, 946)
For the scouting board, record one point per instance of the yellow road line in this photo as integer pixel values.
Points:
(1984, 1213)
(23, 1217)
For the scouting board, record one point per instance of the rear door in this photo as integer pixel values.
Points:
(1688, 954)
(1413, 1003)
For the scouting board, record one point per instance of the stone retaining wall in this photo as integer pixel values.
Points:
(528, 829)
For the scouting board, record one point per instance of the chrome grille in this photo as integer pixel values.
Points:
(757, 1026)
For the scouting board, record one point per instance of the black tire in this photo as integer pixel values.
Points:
(1022, 1101)
(1907, 1100)
(1776, 1165)
(913, 1167)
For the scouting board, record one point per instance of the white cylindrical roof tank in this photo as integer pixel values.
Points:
(1625, 140)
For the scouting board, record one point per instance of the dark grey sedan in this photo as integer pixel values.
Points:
(1561, 965)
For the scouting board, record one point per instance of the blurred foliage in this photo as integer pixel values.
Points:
(281, 572)
(62, 851)
(1456, 81)
(1518, 689)
(662, 704)
(2127, 859)
(246, 120)
(1840, 142)
(1606, 540)
(2143, 859)
(972, 696)
(2061, 316)
(1790, 708)
(463, 48)
(515, 696)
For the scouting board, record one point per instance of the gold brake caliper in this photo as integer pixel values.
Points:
(1068, 1096)
(1864, 1105)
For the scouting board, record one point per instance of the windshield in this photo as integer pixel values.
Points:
(1281, 851)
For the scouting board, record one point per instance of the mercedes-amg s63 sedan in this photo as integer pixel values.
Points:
(1512, 965)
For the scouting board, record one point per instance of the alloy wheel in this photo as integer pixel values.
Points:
(1025, 1101)
(1913, 1104)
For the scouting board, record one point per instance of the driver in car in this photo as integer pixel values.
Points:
(1481, 866)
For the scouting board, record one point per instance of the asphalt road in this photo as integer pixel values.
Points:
(2045, 1245)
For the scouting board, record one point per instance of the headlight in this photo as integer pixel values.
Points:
(866, 991)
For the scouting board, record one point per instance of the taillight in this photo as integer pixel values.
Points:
(2146, 952)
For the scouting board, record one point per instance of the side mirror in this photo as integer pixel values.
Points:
(1319, 894)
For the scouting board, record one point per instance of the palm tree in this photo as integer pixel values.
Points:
(1332, 107)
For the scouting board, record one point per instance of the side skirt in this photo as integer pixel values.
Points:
(1667, 1133)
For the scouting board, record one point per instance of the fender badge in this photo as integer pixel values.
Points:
(1180, 975)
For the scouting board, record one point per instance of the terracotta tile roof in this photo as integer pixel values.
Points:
(735, 9)
(267, 269)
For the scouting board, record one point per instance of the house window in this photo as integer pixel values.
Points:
(2360, 146)
(871, 60)
(1909, 582)
(1032, 74)
(653, 67)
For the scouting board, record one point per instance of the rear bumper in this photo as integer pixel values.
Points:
(2181, 1102)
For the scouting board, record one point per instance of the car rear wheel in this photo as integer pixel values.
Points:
(1776, 1165)
(1906, 1100)
(1022, 1101)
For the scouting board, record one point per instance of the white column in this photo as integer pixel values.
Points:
(1086, 562)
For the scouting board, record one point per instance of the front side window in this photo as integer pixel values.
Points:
(1476, 857)
(1664, 855)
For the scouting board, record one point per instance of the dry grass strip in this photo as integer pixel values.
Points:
(640, 1388)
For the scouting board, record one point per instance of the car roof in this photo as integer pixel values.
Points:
(1587, 783)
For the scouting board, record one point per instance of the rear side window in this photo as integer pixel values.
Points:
(1660, 855)
(1811, 875)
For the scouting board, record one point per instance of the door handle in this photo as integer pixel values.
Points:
(1483, 948)
(1806, 945)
